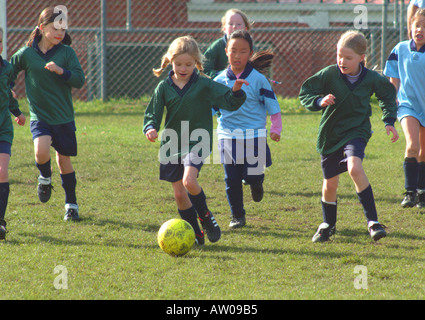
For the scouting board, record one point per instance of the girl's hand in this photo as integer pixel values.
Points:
(238, 84)
(327, 100)
(275, 136)
(53, 67)
(20, 119)
(391, 129)
(152, 135)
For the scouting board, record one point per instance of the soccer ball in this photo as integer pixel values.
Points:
(176, 237)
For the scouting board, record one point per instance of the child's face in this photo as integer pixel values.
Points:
(239, 53)
(183, 66)
(51, 34)
(349, 61)
(418, 31)
(234, 22)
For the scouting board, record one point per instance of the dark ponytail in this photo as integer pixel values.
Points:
(262, 60)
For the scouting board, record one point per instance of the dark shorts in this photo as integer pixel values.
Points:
(336, 163)
(173, 172)
(5, 147)
(63, 136)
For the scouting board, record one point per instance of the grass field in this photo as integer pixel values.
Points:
(113, 253)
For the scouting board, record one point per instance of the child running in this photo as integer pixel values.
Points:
(342, 92)
(242, 134)
(188, 97)
(51, 70)
(406, 69)
(215, 56)
(8, 104)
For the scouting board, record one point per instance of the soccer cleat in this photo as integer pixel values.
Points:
(71, 212)
(44, 188)
(257, 192)
(324, 232)
(199, 239)
(237, 222)
(421, 199)
(376, 230)
(3, 230)
(409, 200)
(210, 225)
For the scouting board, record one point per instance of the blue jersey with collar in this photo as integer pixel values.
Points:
(252, 115)
(408, 64)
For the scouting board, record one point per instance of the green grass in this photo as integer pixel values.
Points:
(113, 253)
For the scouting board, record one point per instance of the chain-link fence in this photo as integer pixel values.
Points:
(119, 42)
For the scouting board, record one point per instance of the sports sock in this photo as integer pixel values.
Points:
(329, 212)
(45, 169)
(411, 170)
(69, 182)
(4, 197)
(199, 201)
(368, 202)
(421, 176)
(191, 216)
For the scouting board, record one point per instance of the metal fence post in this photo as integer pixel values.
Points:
(384, 34)
(103, 57)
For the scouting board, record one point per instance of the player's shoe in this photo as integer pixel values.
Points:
(409, 200)
(237, 222)
(44, 188)
(257, 192)
(199, 239)
(421, 199)
(210, 225)
(324, 232)
(376, 230)
(3, 230)
(71, 212)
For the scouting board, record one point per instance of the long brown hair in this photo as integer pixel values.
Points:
(48, 15)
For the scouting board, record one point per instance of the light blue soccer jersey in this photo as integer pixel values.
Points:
(260, 100)
(418, 3)
(408, 65)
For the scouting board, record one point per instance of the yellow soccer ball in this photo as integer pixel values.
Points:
(176, 237)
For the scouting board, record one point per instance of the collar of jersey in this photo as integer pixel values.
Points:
(49, 54)
(193, 78)
(413, 47)
(244, 75)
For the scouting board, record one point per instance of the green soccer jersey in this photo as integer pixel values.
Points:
(349, 117)
(7, 102)
(49, 94)
(188, 121)
(215, 58)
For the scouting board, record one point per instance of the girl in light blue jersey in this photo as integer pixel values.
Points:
(406, 68)
(242, 133)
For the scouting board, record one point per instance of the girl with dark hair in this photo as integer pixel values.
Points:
(242, 133)
(51, 70)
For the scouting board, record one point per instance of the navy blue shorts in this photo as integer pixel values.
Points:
(5, 147)
(63, 136)
(173, 172)
(336, 163)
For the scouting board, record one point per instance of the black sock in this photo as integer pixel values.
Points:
(329, 213)
(69, 183)
(191, 216)
(45, 169)
(421, 176)
(411, 169)
(4, 197)
(199, 201)
(368, 202)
